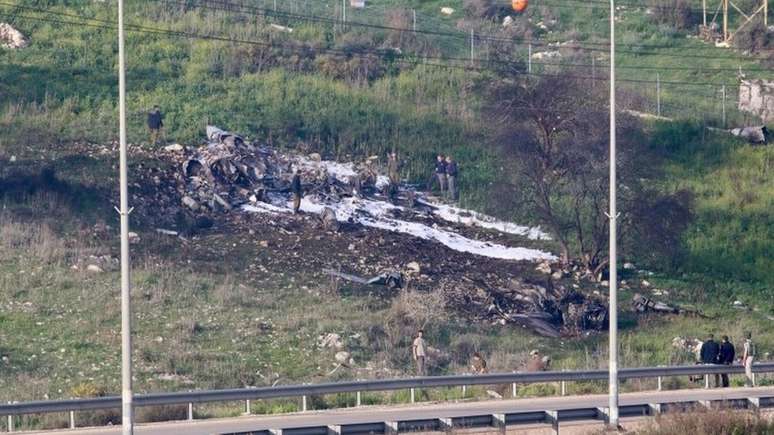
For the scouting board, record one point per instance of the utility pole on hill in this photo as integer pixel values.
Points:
(613, 216)
(127, 416)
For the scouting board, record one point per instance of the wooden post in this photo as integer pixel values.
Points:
(725, 20)
(704, 10)
(766, 13)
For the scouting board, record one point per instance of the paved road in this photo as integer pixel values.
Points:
(417, 411)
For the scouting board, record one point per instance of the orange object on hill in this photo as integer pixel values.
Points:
(519, 5)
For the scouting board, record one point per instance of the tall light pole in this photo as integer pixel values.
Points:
(613, 216)
(126, 313)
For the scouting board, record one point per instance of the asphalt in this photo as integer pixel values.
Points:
(367, 414)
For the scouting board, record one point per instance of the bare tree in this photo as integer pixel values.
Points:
(556, 130)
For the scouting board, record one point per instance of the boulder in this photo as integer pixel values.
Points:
(413, 267)
(11, 38)
(190, 203)
(93, 268)
(174, 148)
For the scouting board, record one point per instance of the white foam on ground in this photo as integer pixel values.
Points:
(471, 218)
(378, 214)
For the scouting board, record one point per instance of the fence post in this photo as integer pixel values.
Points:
(471, 46)
(248, 407)
(10, 423)
(723, 90)
(464, 390)
(412, 395)
(303, 403)
(659, 383)
(513, 390)
(190, 411)
(658, 94)
(72, 419)
(357, 399)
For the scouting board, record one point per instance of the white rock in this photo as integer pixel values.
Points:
(447, 10)
(315, 157)
(13, 159)
(413, 267)
(190, 203)
(93, 268)
(134, 238)
(343, 357)
(174, 148)
(557, 275)
(11, 38)
(544, 267)
(507, 21)
(331, 340)
(628, 266)
(645, 283)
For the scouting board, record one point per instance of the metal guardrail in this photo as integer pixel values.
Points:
(248, 394)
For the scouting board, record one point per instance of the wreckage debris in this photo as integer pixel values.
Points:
(643, 304)
(550, 313)
(391, 279)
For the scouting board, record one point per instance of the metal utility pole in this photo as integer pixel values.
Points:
(704, 12)
(414, 22)
(529, 58)
(613, 216)
(765, 13)
(658, 94)
(343, 14)
(126, 312)
(725, 20)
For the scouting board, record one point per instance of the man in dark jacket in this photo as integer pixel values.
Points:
(709, 354)
(295, 188)
(451, 177)
(155, 124)
(726, 356)
(440, 173)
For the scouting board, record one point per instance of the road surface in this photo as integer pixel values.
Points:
(372, 414)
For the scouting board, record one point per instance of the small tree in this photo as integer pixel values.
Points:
(555, 129)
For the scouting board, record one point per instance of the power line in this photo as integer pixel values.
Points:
(225, 6)
(389, 54)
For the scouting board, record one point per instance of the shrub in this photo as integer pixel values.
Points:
(676, 13)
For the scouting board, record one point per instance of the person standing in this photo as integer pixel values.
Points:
(440, 173)
(726, 357)
(451, 177)
(478, 364)
(296, 189)
(393, 172)
(419, 351)
(748, 357)
(155, 124)
(709, 354)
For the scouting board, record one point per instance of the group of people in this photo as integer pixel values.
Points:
(535, 363)
(712, 352)
(446, 173)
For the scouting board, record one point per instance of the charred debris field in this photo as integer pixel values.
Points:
(231, 289)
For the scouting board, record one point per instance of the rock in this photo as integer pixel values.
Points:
(557, 275)
(343, 357)
(413, 267)
(11, 38)
(315, 157)
(190, 203)
(544, 267)
(134, 238)
(264, 243)
(507, 21)
(645, 283)
(629, 266)
(739, 305)
(174, 148)
(93, 268)
(328, 219)
(13, 159)
(494, 394)
(330, 341)
(604, 284)
(447, 10)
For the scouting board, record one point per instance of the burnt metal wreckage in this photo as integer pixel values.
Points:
(229, 172)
